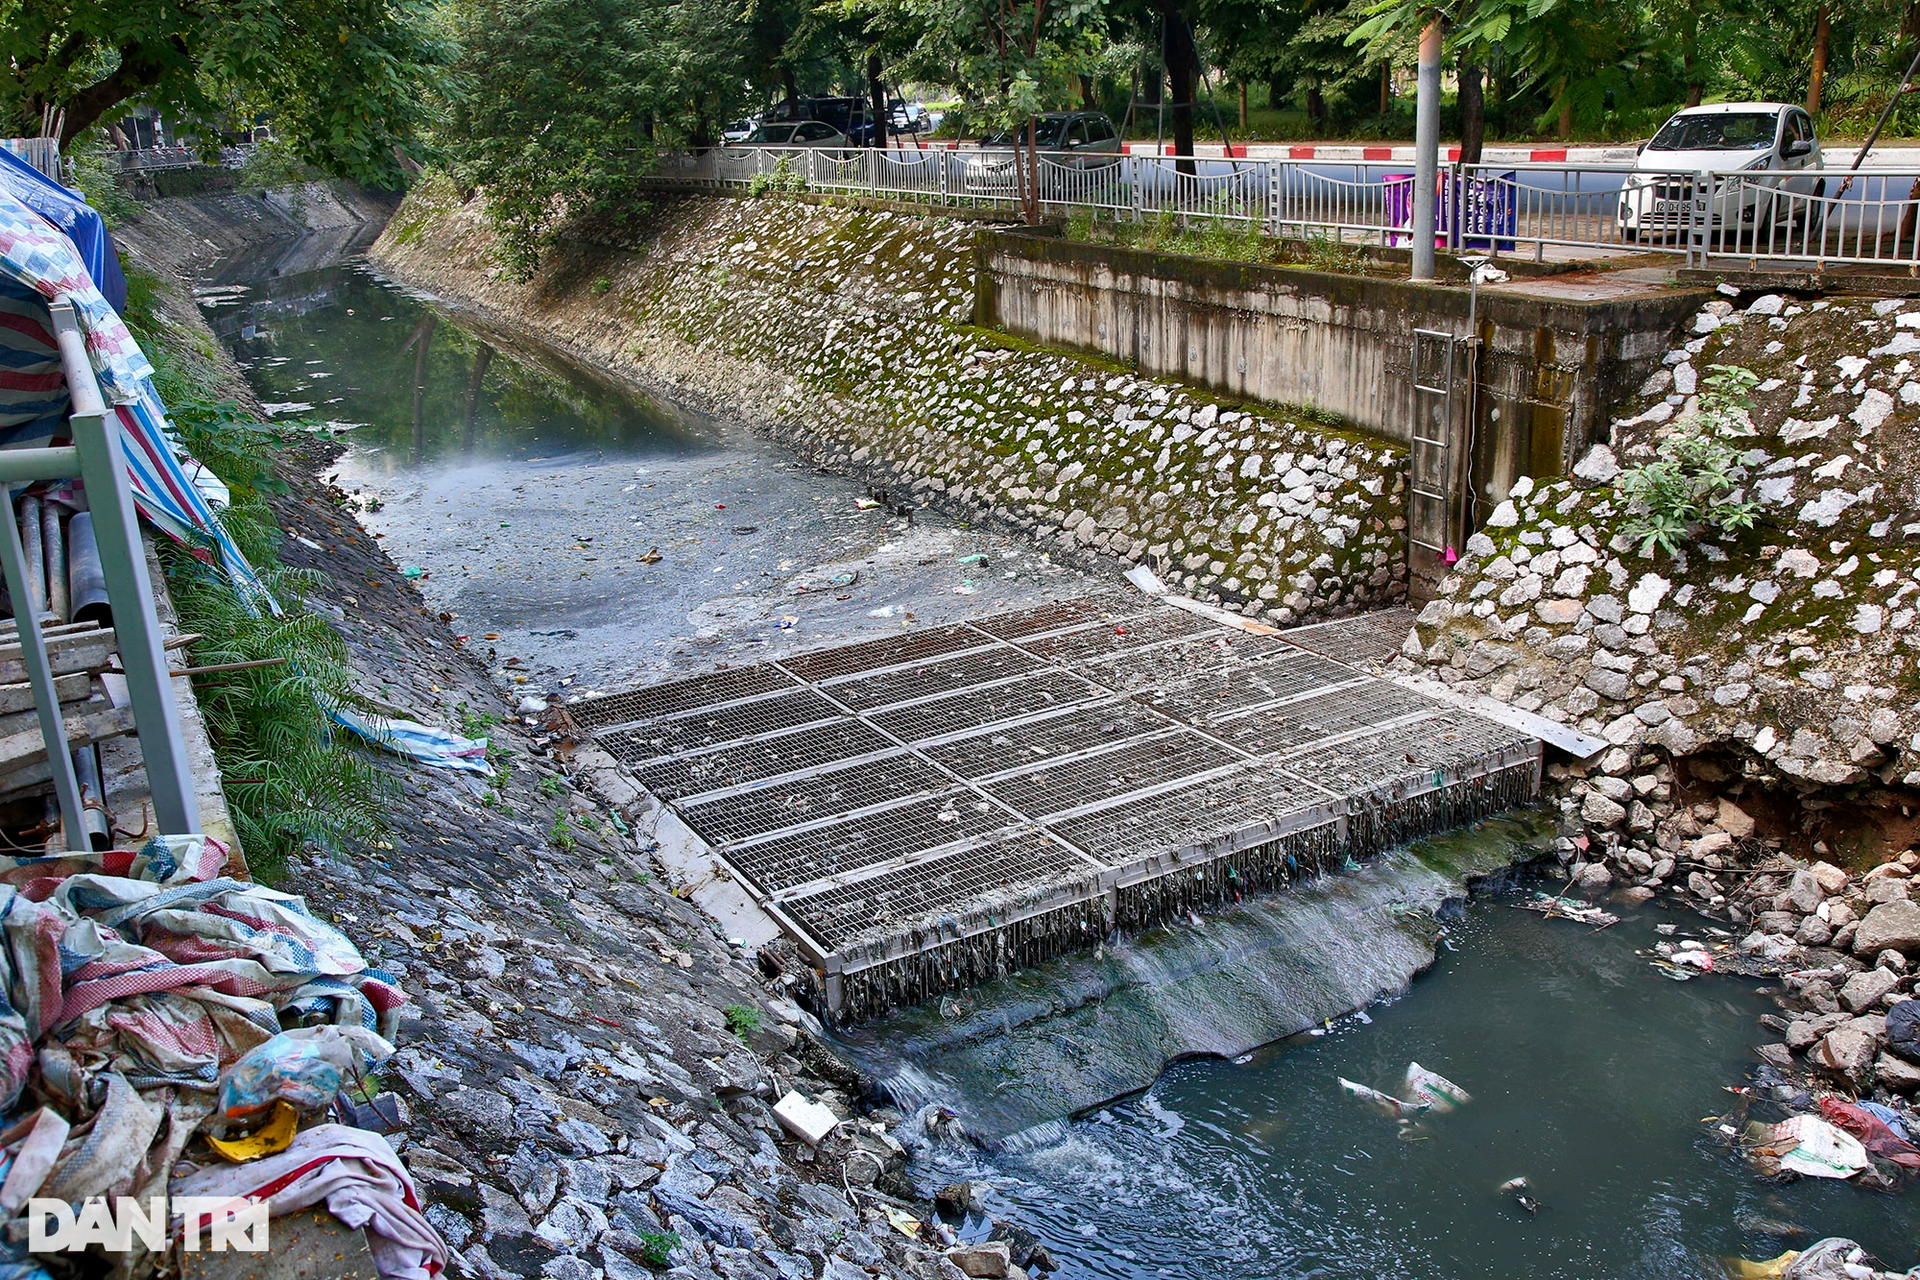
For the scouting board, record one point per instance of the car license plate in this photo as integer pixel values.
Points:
(1670, 206)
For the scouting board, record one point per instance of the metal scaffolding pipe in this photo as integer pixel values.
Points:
(54, 544)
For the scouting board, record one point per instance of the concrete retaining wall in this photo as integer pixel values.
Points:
(1553, 361)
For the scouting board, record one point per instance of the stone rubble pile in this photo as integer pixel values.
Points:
(1792, 645)
(848, 334)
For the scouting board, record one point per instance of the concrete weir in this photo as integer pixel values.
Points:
(929, 811)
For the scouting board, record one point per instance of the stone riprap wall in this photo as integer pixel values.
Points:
(847, 331)
(1789, 651)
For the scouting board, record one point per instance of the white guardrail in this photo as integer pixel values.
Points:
(149, 159)
(1801, 217)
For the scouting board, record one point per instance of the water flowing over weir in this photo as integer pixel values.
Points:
(894, 820)
(1015, 1057)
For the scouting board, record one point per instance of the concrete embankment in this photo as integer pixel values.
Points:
(849, 333)
(587, 1067)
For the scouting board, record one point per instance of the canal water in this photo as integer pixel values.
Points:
(601, 537)
(534, 499)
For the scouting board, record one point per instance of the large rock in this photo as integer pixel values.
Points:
(1863, 990)
(1734, 820)
(1896, 1074)
(1832, 879)
(1846, 1051)
(1598, 811)
(1893, 924)
(987, 1260)
(1805, 894)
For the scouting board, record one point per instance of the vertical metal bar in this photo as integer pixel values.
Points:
(103, 467)
(46, 701)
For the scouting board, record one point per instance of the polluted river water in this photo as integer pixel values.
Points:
(604, 538)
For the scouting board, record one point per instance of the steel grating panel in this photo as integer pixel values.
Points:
(777, 805)
(867, 839)
(1447, 739)
(974, 708)
(1084, 780)
(1292, 725)
(1218, 807)
(1183, 659)
(1367, 638)
(1077, 612)
(1073, 647)
(932, 679)
(721, 724)
(1020, 746)
(678, 695)
(1100, 735)
(913, 646)
(744, 762)
(977, 878)
(1227, 691)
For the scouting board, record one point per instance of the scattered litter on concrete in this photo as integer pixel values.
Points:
(437, 748)
(804, 1118)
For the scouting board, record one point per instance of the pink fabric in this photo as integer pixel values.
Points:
(356, 1174)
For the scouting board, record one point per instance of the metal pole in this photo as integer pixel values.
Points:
(1426, 150)
(46, 701)
(103, 467)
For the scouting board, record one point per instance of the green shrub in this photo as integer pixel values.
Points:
(742, 1020)
(1688, 487)
(656, 1248)
(784, 180)
(600, 286)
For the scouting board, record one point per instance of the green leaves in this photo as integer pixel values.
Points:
(1690, 484)
(344, 80)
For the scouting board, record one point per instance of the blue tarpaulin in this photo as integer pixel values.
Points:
(69, 212)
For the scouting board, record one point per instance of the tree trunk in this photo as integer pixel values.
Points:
(1183, 71)
(1386, 87)
(1243, 106)
(1316, 107)
(1690, 55)
(793, 91)
(1087, 100)
(1473, 109)
(1565, 130)
(877, 93)
(1822, 37)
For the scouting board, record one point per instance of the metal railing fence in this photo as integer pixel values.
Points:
(1803, 217)
(96, 457)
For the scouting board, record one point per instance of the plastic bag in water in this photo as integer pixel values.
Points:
(1431, 1090)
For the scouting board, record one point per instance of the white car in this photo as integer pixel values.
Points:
(797, 133)
(738, 131)
(1774, 139)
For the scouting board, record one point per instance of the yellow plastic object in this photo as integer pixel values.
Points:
(1771, 1269)
(271, 1138)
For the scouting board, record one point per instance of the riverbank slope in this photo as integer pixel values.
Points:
(588, 1066)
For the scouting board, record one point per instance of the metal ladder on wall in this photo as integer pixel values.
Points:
(96, 458)
(1430, 511)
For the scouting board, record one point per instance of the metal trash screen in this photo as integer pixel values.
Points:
(879, 797)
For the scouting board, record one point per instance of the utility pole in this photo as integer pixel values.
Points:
(1426, 150)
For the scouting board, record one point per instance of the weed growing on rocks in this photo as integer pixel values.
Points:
(1692, 481)
(742, 1020)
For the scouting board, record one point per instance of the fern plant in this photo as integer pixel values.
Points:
(1690, 485)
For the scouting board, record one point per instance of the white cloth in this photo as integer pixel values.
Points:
(356, 1174)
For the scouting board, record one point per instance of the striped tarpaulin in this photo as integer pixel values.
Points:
(35, 255)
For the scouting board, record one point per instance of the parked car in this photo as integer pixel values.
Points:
(1773, 139)
(1070, 140)
(796, 133)
(908, 117)
(737, 131)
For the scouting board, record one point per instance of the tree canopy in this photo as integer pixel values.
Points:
(342, 79)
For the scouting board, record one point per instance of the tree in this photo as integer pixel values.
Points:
(344, 80)
(559, 108)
